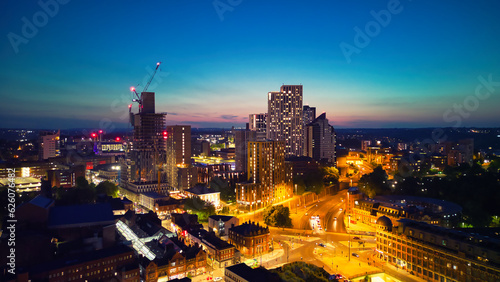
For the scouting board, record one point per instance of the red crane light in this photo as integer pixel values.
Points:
(165, 134)
(130, 106)
(93, 135)
(132, 88)
(118, 139)
(100, 131)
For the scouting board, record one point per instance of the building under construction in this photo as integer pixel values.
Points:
(142, 169)
(147, 149)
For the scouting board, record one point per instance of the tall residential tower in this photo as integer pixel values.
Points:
(320, 140)
(285, 119)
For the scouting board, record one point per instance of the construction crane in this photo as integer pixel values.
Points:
(138, 98)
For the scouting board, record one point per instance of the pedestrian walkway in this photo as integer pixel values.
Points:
(356, 246)
(397, 272)
(343, 264)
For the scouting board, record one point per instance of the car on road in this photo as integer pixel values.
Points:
(322, 245)
(335, 218)
(355, 255)
(340, 209)
(218, 279)
(355, 238)
(307, 214)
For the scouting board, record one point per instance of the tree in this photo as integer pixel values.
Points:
(374, 183)
(81, 182)
(83, 193)
(108, 188)
(199, 207)
(311, 181)
(277, 216)
(301, 271)
(494, 166)
(227, 193)
(475, 189)
(331, 175)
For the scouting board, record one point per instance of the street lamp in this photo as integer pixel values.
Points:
(349, 242)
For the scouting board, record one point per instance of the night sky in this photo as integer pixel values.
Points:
(220, 58)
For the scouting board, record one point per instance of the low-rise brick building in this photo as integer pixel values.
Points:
(250, 239)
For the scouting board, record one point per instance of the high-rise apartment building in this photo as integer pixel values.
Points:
(180, 173)
(49, 145)
(309, 114)
(268, 178)
(241, 138)
(258, 123)
(285, 119)
(319, 139)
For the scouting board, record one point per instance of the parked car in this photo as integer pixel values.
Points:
(322, 245)
(355, 255)
(355, 238)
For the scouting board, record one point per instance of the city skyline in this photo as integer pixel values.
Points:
(419, 66)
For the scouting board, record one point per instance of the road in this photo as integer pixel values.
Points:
(329, 211)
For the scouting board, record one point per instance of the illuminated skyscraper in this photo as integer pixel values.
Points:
(269, 180)
(285, 119)
(257, 123)
(320, 140)
(180, 173)
(309, 114)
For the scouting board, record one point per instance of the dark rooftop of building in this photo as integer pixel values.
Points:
(198, 233)
(184, 219)
(169, 201)
(41, 201)
(254, 275)
(79, 259)
(441, 206)
(224, 218)
(81, 215)
(216, 242)
(472, 238)
(249, 228)
(201, 190)
(155, 195)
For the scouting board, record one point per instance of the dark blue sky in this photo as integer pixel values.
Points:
(76, 68)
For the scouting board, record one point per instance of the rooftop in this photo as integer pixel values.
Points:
(200, 190)
(155, 195)
(247, 228)
(41, 201)
(80, 258)
(250, 274)
(216, 242)
(81, 215)
(20, 180)
(224, 218)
